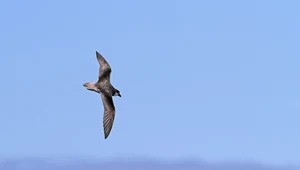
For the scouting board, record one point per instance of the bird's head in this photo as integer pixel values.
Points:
(117, 93)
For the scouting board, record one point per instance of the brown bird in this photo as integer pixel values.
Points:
(107, 90)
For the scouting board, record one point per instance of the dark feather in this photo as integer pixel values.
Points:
(109, 113)
(105, 69)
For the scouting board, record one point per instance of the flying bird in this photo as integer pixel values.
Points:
(107, 91)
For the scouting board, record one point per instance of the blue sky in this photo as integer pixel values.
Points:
(213, 80)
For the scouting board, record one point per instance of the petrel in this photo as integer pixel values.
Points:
(106, 90)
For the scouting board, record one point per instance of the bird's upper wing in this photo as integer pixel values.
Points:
(105, 69)
(109, 113)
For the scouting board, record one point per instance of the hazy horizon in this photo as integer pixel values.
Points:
(134, 163)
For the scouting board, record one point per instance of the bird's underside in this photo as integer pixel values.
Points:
(106, 91)
(106, 95)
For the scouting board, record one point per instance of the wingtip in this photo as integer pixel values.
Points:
(98, 55)
(105, 136)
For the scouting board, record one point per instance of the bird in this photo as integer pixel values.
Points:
(107, 91)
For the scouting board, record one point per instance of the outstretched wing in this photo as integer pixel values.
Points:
(105, 69)
(109, 113)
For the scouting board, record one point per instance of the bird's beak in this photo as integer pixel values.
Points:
(119, 95)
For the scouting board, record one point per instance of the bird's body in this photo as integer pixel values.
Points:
(106, 90)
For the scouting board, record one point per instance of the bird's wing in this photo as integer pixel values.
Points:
(109, 113)
(105, 69)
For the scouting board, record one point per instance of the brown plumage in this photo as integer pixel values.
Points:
(105, 69)
(106, 90)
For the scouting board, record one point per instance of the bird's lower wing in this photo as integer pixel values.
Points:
(108, 121)
(109, 114)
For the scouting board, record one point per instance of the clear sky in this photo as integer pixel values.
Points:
(214, 80)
